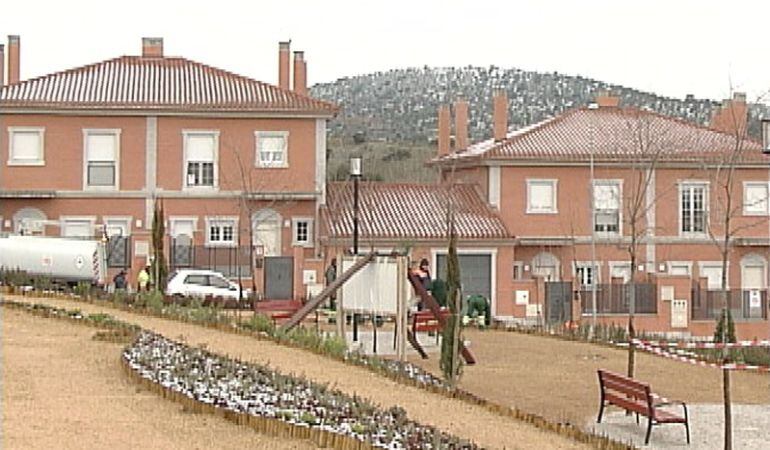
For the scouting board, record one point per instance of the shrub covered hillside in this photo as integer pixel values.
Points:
(400, 105)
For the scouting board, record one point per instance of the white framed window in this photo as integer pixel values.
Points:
(755, 195)
(101, 161)
(607, 200)
(201, 156)
(302, 231)
(693, 208)
(680, 268)
(518, 270)
(272, 148)
(620, 269)
(77, 226)
(221, 231)
(26, 146)
(541, 196)
(586, 274)
(712, 271)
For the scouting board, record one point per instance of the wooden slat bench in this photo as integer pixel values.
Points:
(637, 397)
(426, 321)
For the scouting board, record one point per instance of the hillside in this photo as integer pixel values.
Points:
(390, 117)
(400, 105)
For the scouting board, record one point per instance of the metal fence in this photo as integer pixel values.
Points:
(616, 298)
(744, 304)
(230, 261)
(118, 250)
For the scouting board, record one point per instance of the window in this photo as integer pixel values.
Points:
(541, 196)
(78, 227)
(755, 199)
(272, 148)
(680, 268)
(218, 282)
(607, 207)
(199, 280)
(201, 149)
(221, 231)
(621, 270)
(302, 231)
(26, 146)
(518, 270)
(586, 275)
(101, 158)
(693, 201)
(712, 272)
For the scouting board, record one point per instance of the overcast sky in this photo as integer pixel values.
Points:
(673, 47)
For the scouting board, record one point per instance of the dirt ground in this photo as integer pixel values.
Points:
(557, 379)
(61, 389)
(456, 417)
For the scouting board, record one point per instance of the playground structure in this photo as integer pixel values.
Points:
(376, 285)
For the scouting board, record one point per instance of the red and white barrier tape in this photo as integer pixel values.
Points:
(739, 344)
(690, 358)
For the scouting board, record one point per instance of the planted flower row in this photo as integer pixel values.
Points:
(256, 390)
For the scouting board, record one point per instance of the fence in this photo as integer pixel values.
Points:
(744, 304)
(615, 298)
(118, 250)
(230, 261)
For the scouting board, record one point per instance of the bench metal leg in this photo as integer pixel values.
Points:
(649, 431)
(601, 411)
(686, 424)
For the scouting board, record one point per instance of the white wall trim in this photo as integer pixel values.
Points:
(494, 186)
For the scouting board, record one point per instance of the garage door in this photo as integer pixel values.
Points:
(475, 273)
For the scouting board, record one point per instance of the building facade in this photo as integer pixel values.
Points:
(588, 192)
(237, 164)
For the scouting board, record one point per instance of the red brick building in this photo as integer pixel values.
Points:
(657, 179)
(232, 160)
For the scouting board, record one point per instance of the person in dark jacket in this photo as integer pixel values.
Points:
(120, 280)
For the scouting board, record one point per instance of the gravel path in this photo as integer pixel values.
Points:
(454, 416)
(751, 429)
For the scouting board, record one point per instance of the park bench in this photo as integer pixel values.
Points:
(277, 309)
(635, 396)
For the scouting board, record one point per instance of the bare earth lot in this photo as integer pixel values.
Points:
(61, 389)
(485, 428)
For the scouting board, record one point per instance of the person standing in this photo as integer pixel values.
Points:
(120, 281)
(330, 275)
(143, 279)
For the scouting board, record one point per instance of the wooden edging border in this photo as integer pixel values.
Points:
(601, 442)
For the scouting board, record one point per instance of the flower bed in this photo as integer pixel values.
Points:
(257, 391)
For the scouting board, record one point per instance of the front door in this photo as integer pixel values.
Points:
(558, 295)
(279, 278)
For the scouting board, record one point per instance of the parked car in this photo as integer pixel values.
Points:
(202, 283)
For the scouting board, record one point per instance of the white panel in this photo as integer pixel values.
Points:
(494, 186)
(753, 277)
(101, 147)
(714, 275)
(541, 196)
(606, 196)
(522, 297)
(679, 314)
(26, 145)
(200, 147)
(667, 293)
(77, 229)
(180, 227)
(372, 288)
(621, 271)
(755, 199)
(533, 310)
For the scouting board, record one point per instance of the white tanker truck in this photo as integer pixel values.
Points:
(61, 259)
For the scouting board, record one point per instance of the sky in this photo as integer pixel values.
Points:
(672, 48)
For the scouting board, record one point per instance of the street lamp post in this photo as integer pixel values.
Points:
(355, 172)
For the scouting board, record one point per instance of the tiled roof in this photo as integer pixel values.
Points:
(611, 134)
(173, 84)
(410, 211)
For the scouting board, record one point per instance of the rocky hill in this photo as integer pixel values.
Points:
(400, 105)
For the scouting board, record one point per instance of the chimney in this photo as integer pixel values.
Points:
(732, 116)
(152, 47)
(300, 73)
(14, 52)
(2, 65)
(606, 100)
(443, 130)
(283, 64)
(500, 117)
(461, 125)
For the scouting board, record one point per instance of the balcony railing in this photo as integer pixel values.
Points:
(616, 299)
(744, 304)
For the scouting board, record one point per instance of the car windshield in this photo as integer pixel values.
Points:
(218, 282)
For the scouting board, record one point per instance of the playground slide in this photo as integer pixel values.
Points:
(311, 305)
(431, 303)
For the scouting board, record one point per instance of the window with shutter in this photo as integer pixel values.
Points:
(201, 150)
(541, 196)
(607, 207)
(272, 148)
(101, 169)
(755, 199)
(26, 146)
